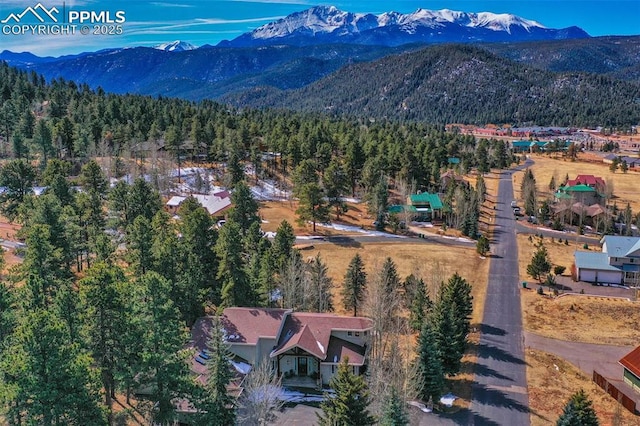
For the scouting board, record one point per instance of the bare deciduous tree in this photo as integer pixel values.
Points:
(260, 398)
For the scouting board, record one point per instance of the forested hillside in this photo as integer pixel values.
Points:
(617, 57)
(461, 84)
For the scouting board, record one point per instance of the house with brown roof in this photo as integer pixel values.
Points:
(631, 365)
(299, 344)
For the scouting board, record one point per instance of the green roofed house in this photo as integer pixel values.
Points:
(579, 193)
(426, 205)
(618, 263)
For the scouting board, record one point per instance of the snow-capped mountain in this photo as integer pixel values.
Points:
(327, 24)
(175, 46)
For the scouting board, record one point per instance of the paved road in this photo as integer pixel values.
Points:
(500, 388)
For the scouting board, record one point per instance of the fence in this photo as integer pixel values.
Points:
(618, 395)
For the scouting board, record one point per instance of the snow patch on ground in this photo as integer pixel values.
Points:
(289, 395)
(267, 191)
(448, 399)
(351, 228)
(420, 406)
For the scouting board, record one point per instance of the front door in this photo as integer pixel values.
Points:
(302, 366)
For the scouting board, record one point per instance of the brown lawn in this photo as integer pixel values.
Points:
(624, 184)
(551, 387)
(274, 212)
(600, 320)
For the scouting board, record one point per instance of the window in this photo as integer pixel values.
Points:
(357, 334)
(333, 369)
(349, 333)
(366, 333)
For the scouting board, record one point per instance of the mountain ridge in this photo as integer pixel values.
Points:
(327, 24)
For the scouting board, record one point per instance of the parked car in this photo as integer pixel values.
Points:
(514, 203)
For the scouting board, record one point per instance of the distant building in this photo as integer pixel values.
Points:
(584, 189)
(216, 204)
(427, 206)
(618, 263)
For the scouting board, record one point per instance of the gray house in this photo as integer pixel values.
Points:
(618, 263)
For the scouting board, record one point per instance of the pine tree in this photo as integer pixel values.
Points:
(282, 244)
(17, 178)
(104, 303)
(245, 207)
(321, 284)
(52, 380)
(139, 244)
(420, 304)
(430, 379)
(312, 206)
(578, 411)
(334, 182)
(231, 272)
(482, 245)
(349, 405)
(216, 407)
(164, 367)
(540, 264)
(354, 284)
(394, 412)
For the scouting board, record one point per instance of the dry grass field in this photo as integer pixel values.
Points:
(552, 381)
(599, 320)
(559, 253)
(274, 212)
(625, 185)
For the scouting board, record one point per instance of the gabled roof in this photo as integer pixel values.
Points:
(339, 349)
(593, 260)
(631, 362)
(426, 198)
(311, 332)
(247, 325)
(618, 246)
(589, 180)
(214, 204)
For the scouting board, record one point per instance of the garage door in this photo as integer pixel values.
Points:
(587, 275)
(610, 277)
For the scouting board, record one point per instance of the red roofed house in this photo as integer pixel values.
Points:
(592, 181)
(631, 364)
(299, 344)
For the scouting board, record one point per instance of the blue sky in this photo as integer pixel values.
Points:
(210, 21)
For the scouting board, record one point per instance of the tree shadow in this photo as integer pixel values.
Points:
(344, 241)
(489, 329)
(491, 352)
(483, 370)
